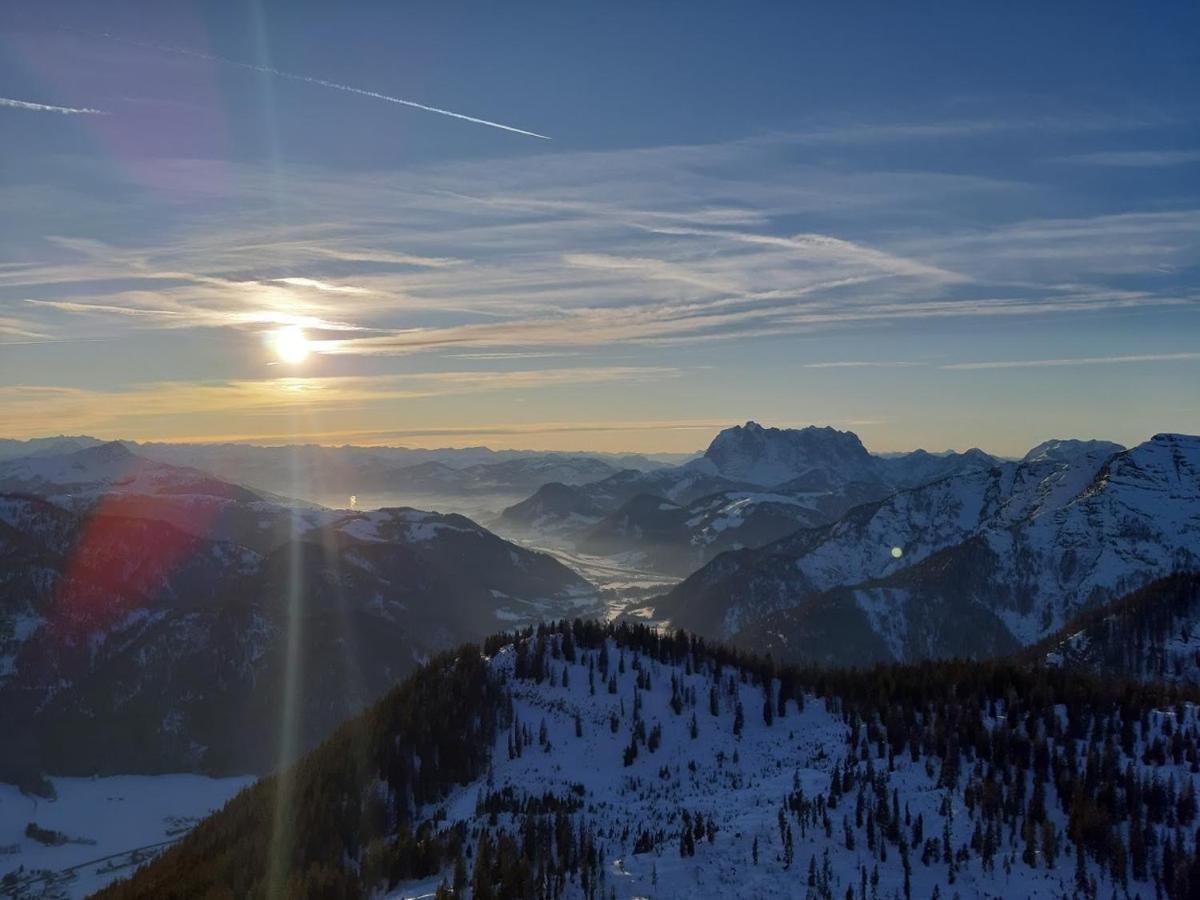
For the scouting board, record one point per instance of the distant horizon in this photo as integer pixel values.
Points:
(576, 450)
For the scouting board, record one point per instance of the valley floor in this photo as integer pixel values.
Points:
(111, 824)
(621, 583)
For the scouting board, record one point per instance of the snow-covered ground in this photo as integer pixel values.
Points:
(741, 784)
(112, 824)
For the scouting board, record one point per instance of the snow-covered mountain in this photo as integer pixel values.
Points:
(667, 537)
(580, 761)
(1067, 450)
(820, 458)
(569, 511)
(81, 475)
(147, 611)
(971, 564)
(753, 485)
(816, 459)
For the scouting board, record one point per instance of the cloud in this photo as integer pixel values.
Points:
(894, 132)
(1135, 158)
(324, 286)
(863, 364)
(46, 107)
(598, 252)
(13, 327)
(1075, 361)
(822, 245)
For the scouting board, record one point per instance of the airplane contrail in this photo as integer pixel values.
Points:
(333, 85)
(47, 107)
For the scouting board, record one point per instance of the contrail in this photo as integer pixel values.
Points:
(334, 85)
(46, 107)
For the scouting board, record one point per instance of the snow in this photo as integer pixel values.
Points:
(738, 782)
(885, 610)
(410, 525)
(110, 818)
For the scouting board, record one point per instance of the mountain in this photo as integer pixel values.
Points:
(969, 565)
(813, 458)
(589, 761)
(10, 448)
(816, 459)
(670, 538)
(152, 616)
(83, 474)
(1067, 450)
(909, 470)
(559, 511)
(1151, 634)
(554, 505)
(754, 485)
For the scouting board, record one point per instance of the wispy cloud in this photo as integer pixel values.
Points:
(1075, 361)
(324, 286)
(587, 257)
(895, 132)
(47, 107)
(863, 364)
(1139, 159)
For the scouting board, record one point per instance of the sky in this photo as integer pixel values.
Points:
(608, 226)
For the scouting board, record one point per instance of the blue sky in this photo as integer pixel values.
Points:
(936, 226)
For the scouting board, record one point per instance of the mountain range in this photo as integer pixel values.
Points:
(974, 564)
(466, 479)
(753, 485)
(160, 611)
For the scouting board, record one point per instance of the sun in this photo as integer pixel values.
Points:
(291, 345)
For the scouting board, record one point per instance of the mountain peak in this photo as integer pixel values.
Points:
(1067, 450)
(771, 456)
(108, 452)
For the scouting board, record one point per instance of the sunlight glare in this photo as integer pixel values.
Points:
(291, 345)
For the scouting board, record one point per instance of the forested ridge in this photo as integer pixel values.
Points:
(1152, 633)
(1084, 779)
